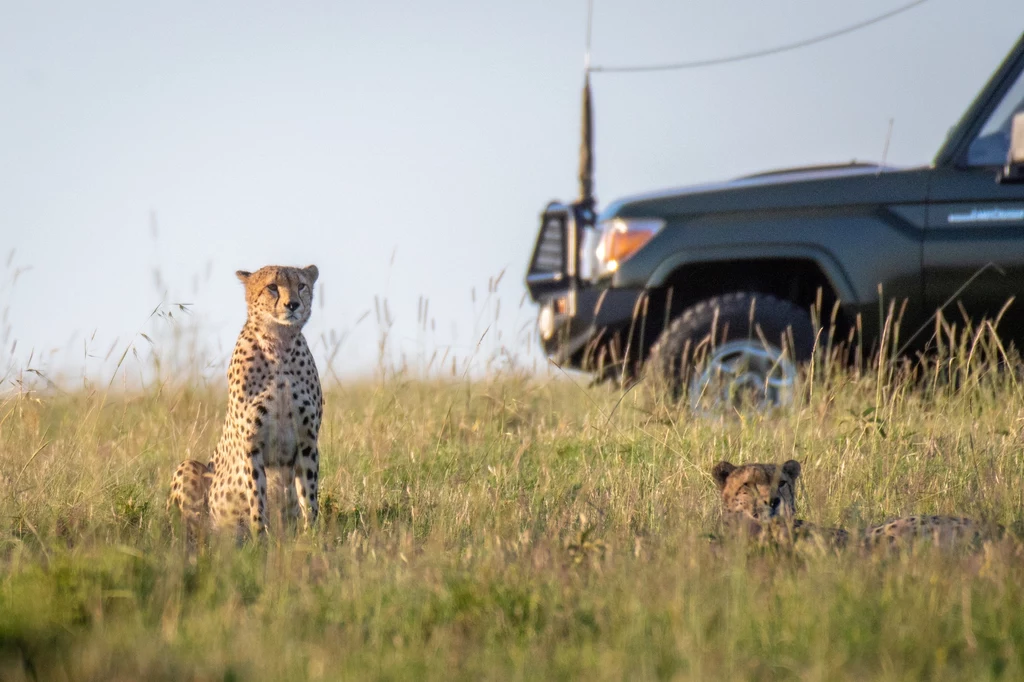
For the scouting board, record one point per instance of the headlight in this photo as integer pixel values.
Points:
(619, 239)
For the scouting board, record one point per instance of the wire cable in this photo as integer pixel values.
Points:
(590, 34)
(759, 53)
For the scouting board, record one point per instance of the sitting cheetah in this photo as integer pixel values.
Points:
(759, 497)
(275, 406)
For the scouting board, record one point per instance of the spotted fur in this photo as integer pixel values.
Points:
(268, 447)
(939, 530)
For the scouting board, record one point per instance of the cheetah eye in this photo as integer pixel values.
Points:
(782, 484)
(302, 287)
(272, 288)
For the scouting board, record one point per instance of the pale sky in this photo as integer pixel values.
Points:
(406, 148)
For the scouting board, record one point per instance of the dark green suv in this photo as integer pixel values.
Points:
(734, 271)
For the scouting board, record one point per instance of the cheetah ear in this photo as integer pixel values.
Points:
(312, 272)
(791, 469)
(243, 275)
(721, 472)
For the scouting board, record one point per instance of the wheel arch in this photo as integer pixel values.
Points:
(795, 275)
(764, 264)
(673, 270)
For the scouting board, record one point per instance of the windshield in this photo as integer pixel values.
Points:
(991, 145)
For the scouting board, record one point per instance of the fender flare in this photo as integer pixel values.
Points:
(825, 261)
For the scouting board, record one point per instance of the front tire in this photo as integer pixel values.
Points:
(734, 351)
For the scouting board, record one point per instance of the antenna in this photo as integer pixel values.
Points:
(885, 149)
(590, 33)
(586, 174)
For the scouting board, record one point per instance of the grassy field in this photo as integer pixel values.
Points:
(519, 528)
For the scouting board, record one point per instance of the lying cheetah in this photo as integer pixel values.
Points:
(759, 497)
(275, 406)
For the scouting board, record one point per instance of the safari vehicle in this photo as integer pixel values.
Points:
(734, 271)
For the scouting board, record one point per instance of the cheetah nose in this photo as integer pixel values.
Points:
(292, 305)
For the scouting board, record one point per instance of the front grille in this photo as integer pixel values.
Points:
(553, 266)
(549, 254)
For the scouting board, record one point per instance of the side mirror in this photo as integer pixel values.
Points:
(1014, 169)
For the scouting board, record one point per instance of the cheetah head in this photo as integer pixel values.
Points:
(757, 492)
(278, 295)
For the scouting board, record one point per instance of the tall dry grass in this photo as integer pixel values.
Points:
(508, 524)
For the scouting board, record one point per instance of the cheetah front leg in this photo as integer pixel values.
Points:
(238, 494)
(258, 514)
(254, 480)
(306, 482)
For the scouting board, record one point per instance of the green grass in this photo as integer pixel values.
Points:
(519, 528)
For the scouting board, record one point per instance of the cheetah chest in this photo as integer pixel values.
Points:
(282, 423)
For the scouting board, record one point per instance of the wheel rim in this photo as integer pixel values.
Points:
(744, 374)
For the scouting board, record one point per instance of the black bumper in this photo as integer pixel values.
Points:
(587, 327)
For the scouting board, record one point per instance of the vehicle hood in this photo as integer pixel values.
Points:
(806, 187)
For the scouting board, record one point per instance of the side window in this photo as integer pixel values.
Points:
(989, 148)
